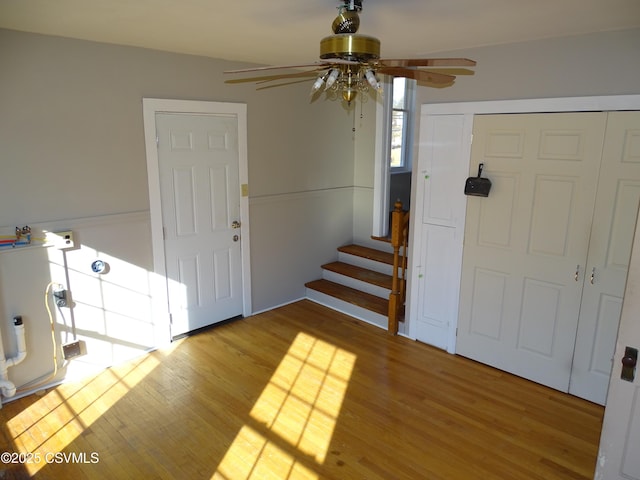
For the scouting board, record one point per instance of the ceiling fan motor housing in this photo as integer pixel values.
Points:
(350, 46)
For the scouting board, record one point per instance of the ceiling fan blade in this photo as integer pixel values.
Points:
(305, 76)
(320, 64)
(281, 76)
(453, 71)
(273, 67)
(282, 84)
(427, 62)
(420, 75)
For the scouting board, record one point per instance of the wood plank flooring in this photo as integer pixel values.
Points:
(301, 392)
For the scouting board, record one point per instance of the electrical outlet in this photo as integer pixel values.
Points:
(74, 349)
(61, 240)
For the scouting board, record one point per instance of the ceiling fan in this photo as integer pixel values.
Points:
(350, 61)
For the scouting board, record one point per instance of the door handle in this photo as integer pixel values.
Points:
(629, 362)
(235, 224)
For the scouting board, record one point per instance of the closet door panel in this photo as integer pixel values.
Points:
(519, 298)
(612, 233)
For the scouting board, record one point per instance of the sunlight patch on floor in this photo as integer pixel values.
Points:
(294, 418)
(53, 422)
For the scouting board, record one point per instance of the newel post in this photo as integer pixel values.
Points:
(395, 297)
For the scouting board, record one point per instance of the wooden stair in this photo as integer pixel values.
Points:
(350, 295)
(358, 284)
(368, 253)
(365, 275)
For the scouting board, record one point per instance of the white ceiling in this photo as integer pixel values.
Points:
(289, 31)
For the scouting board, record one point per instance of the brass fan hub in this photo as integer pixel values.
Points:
(350, 46)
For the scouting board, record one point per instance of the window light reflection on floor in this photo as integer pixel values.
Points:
(294, 418)
(69, 411)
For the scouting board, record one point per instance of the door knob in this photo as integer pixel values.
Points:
(235, 224)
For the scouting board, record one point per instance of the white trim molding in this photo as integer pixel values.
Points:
(381, 169)
(540, 105)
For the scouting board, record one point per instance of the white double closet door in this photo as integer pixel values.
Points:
(546, 254)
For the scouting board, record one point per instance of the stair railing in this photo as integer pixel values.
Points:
(399, 239)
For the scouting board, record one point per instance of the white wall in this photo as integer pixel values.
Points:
(301, 180)
(584, 65)
(299, 233)
(73, 157)
(365, 131)
(113, 313)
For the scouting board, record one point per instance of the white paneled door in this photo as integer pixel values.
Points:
(612, 232)
(546, 254)
(526, 244)
(198, 167)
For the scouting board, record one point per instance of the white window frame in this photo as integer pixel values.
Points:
(409, 108)
(382, 169)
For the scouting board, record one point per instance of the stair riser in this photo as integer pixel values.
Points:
(357, 284)
(347, 308)
(382, 245)
(365, 263)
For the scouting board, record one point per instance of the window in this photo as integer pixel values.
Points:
(401, 124)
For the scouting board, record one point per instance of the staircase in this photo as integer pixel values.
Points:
(362, 284)
(358, 284)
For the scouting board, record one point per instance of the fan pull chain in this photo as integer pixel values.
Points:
(353, 128)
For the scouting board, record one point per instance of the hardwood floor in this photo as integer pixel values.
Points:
(301, 392)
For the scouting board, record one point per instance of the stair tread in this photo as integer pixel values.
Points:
(363, 274)
(351, 295)
(368, 253)
(381, 239)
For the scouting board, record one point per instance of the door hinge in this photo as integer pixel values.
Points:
(157, 140)
(164, 233)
